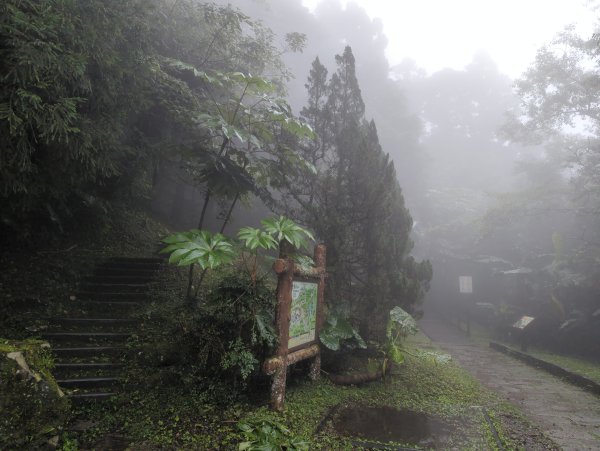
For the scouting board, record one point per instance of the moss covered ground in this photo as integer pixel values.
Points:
(577, 365)
(180, 418)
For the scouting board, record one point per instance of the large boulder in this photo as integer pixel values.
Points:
(32, 406)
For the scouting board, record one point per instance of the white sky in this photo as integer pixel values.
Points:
(446, 33)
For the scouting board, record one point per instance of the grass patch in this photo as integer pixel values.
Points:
(580, 366)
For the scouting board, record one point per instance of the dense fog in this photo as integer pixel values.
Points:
(293, 224)
(491, 197)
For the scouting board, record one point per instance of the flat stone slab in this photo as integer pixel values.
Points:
(567, 414)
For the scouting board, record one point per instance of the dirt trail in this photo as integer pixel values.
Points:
(566, 414)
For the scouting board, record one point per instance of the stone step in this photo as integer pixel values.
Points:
(78, 351)
(114, 287)
(100, 308)
(88, 354)
(103, 271)
(119, 278)
(111, 296)
(88, 382)
(145, 260)
(88, 397)
(77, 337)
(136, 266)
(91, 322)
(87, 368)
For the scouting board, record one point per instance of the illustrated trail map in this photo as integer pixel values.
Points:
(303, 316)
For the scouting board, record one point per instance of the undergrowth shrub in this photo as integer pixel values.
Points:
(218, 343)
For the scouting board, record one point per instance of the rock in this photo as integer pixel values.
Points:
(53, 442)
(32, 406)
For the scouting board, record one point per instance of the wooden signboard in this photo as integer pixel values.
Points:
(299, 318)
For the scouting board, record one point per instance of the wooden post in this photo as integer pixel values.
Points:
(320, 259)
(278, 364)
(285, 271)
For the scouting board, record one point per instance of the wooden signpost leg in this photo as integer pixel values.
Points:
(319, 257)
(315, 368)
(278, 388)
(282, 319)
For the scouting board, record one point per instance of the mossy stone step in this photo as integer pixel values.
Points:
(155, 260)
(88, 366)
(114, 287)
(111, 296)
(86, 336)
(132, 265)
(88, 351)
(109, 271)
(84, 398)
(101, 307)
(119, 279)
(73, 370)
(88, 382)
(94, 321)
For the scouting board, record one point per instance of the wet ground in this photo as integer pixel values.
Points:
(564, 413)
(386, 424)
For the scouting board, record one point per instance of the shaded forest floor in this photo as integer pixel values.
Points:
(566, 414)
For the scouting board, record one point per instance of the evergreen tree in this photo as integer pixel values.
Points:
(355, 204)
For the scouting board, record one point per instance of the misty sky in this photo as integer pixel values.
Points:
(446, 33)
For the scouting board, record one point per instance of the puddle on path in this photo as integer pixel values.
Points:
(386, 424)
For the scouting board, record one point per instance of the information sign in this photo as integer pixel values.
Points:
(465, 284)
(303, 315)
(523, 322)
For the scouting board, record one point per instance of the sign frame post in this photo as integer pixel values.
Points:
(307, 344)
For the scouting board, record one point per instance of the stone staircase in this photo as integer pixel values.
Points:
(89, 340)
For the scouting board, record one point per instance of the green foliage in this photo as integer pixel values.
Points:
(238, 356)
(400, 325)
(337, 330)
(239, 311)
(268, 435)
(69, 87)
(257, 239)
(199, 247)
(91, 112)
(285, 229)
(233, 326)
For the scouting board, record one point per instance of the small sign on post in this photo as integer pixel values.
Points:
(523, 322)
(465, 286)
(299, 318)
(521, 327)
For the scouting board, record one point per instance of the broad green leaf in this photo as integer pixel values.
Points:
(403, 321)
(329, 340)
(395, 353)
(178, 254)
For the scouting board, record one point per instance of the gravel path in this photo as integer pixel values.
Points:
(565, 413)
